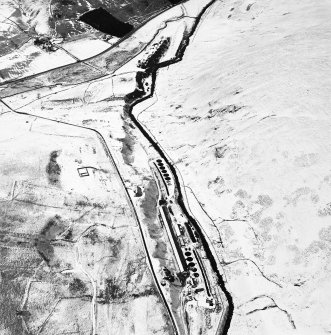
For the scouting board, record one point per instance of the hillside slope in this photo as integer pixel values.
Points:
(245, 118)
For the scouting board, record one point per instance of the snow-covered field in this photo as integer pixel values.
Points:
(30, 60)
(56, 179)
(245, 118)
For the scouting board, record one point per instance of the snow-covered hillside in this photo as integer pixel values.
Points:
(245, 117)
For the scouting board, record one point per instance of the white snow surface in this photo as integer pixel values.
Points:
(245, 118)
(86, 48)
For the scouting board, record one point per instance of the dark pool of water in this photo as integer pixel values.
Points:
(105, 22)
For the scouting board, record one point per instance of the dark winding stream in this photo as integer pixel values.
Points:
(138, 96)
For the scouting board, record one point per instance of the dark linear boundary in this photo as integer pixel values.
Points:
(107, 150)
(138, 96)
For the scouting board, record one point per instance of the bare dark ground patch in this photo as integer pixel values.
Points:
(53, 169)
(149, 206)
